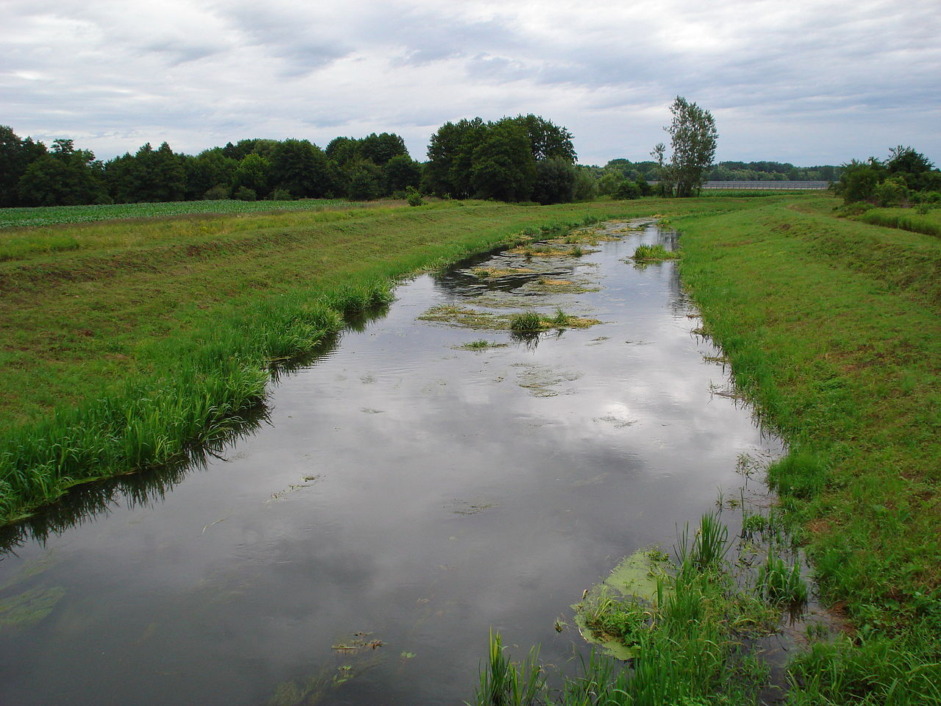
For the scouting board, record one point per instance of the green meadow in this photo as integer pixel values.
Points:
(124, 343)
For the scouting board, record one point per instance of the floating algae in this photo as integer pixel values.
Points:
(624, 599)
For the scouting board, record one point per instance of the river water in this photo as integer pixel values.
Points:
(402, 497)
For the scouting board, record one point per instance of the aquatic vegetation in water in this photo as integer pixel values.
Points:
(543, 381)
(709, 546)
(479, 345)
(653, 253)
(29, 607)
(612, 613)
(495, 272)
(506, 683)
(465, 508)
(781, 584)
(527, 322)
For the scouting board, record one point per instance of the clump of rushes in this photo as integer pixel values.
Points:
(526, 322)
(780, 584)
(506, 683)
(709, 547)
(480, 345)
(560, 318)
(653, 253)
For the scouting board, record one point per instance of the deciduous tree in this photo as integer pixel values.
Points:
(693, 139)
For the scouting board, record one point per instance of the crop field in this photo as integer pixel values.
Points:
(58, 215)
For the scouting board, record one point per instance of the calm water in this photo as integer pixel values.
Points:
(402, 497)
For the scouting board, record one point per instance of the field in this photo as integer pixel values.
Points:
(125, 342)
(59, 215)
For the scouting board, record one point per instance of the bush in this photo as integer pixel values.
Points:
(413, 196)
(892, 192)
(219, 192)
(627, 190)
(281, 195)
(243, 193)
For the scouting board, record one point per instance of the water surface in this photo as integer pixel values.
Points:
(402, 497)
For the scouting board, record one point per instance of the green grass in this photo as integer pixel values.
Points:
(653, 253)
(59, 215)
(831, 327)
(905, 218)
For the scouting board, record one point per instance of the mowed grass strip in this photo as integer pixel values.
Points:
(833, 327)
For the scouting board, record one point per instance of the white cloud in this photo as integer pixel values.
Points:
(808, 81)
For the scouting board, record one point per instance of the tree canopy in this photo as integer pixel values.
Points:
(693, 138)
(375, 166)
(505, 160)
(906, 177)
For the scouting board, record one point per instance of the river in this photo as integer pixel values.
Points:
(404, 495)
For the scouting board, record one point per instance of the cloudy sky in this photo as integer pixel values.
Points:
(802, 81)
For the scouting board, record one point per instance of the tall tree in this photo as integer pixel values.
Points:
(300, 167)
(15, 156)
(503, 165)
(64, 177)
(693, 139)
(547, 140)
(379, 149)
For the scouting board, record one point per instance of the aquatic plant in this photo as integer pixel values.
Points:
(506, 683)
(560, 318)
(708, 548)
(653, 253)
(526, 322)
(779, 583)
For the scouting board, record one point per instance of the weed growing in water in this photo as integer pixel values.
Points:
(480, 345)
(506, 683)
(560, 318)
(653, 253)
(526, 322)
(780, 584)
(708, 548)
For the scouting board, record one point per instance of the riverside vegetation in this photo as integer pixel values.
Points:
(151, 336)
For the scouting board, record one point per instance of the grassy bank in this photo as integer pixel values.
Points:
(145, 337)
(928, 222)
(832, 327)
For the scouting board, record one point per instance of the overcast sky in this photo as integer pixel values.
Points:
(801, 81)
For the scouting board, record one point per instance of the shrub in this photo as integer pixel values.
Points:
(281, 195)
(243, 193)
(413, 196)
(219, 192)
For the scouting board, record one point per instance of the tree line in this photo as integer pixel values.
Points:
(514, 159)
(62, 175)
(524, 158)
